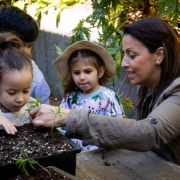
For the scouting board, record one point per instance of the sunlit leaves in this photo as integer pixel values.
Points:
(80, 32)
(169, 10)
(127, 103)
(36, 7)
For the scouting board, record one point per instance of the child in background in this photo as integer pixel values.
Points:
(19, 22)
(85, 67)
(16, 74)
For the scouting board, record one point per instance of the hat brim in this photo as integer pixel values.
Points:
(61, 63)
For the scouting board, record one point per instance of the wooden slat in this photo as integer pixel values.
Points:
(125, 165)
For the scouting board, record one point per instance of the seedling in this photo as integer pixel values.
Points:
(33, 104)
(56, 113)
(23, 161)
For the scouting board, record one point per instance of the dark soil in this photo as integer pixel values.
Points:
(35, 142)
(42, 175)
(54, 101)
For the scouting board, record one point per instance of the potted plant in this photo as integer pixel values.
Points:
(37, 144)
(44, 173)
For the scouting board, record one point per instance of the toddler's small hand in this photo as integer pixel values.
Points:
(7, 125)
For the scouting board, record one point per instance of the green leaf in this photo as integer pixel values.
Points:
(25, 171)
(34, 104)
(127, 103)
(58, 18)
(58, 50)
(31, 162)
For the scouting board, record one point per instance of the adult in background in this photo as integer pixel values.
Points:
(152, 60)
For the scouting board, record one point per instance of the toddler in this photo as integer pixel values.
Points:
(85, 68)
(16, 74)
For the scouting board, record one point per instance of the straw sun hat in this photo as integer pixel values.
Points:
(61, 63)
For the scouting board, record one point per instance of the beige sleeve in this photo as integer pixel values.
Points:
(159, 128)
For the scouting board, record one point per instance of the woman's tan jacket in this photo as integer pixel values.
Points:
(159, 132)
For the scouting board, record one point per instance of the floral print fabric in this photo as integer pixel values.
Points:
(103, 101)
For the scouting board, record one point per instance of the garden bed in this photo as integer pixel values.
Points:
(49, 149)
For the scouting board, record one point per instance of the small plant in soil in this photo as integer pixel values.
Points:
(35, 142)
(22, 163)
(41, 174)
(33, 146)
(37, 102)
(33, 104)
(56, 113)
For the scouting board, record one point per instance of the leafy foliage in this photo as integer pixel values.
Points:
(170, 11)
(36, 7)
(80, 32)
(127, 104)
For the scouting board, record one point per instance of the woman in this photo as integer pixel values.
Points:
(151, 59)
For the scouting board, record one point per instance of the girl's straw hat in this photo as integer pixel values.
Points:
(61, 63)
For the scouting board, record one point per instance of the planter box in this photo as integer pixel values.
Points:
(65, 160)
(58, 171)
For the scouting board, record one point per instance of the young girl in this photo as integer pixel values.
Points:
(85, 67)
(15, 82)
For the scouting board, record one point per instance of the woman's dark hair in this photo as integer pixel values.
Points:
(155, 33)
(11, 56)
(13, 19)
(88, 57)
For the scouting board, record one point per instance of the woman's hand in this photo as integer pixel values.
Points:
(48, 116)
(7, 125)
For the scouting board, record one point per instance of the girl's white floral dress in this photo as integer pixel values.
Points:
(103, 101)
